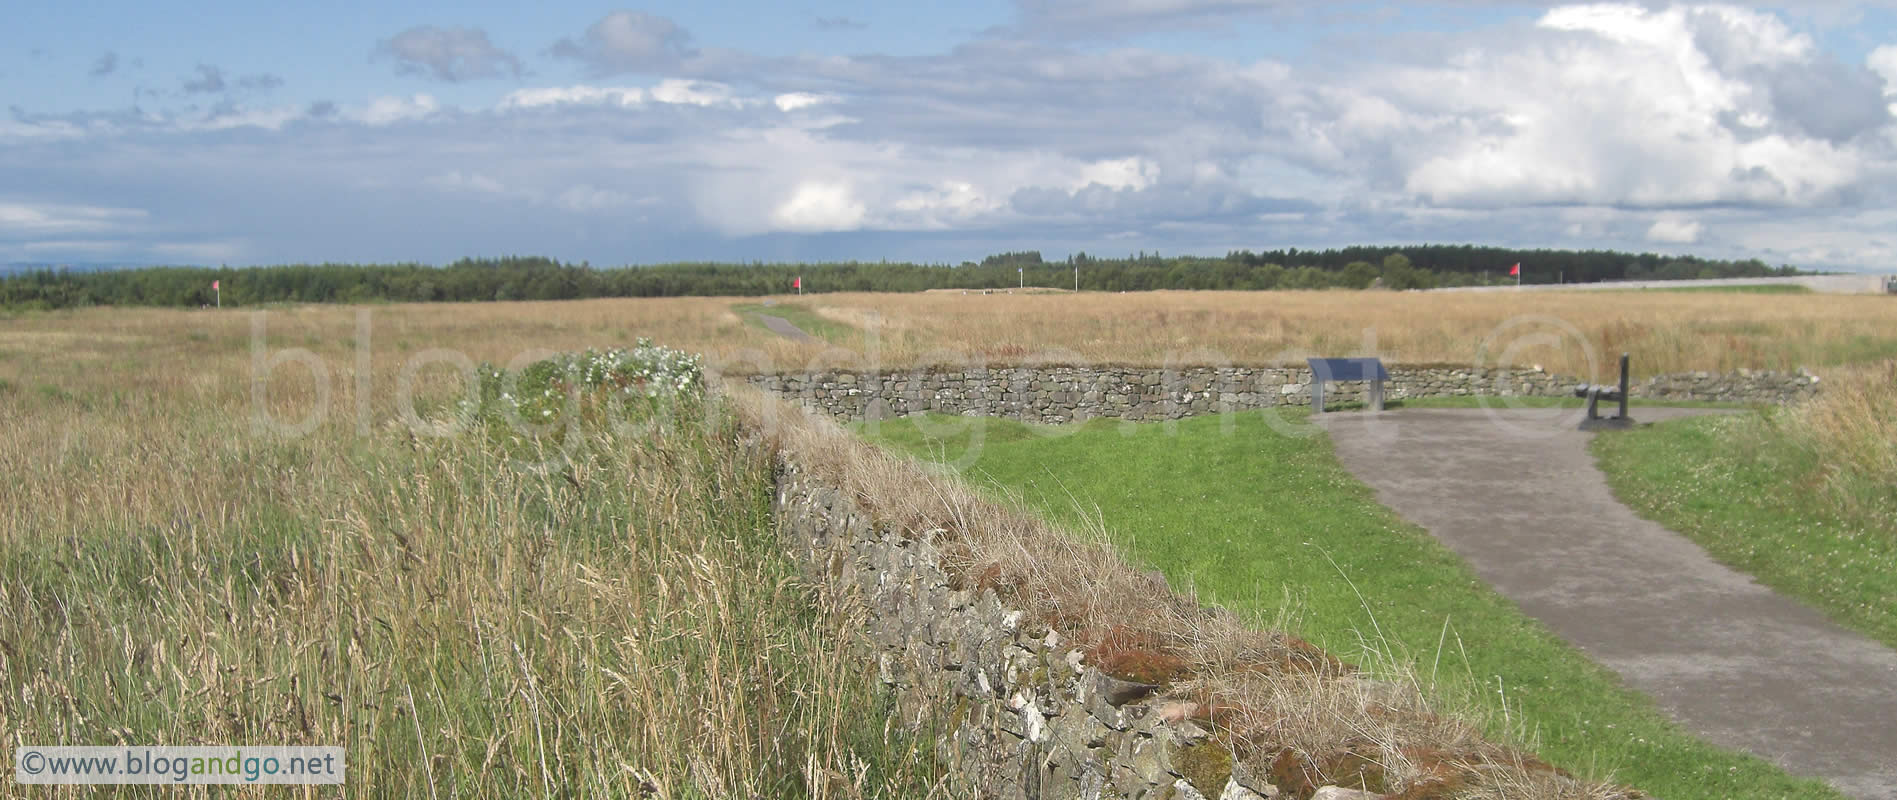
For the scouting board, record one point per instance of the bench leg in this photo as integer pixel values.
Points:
(1317, 397)
(1623, 386)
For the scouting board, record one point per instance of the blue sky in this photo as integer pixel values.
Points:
(244, 133)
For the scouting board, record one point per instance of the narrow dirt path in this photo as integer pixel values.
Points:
(784, 328)
(1517, 494)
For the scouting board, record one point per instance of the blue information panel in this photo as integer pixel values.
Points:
(1348, 369)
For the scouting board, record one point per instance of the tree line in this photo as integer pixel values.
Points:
(536, 278)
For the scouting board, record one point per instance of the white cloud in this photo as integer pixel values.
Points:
(624, 97)
(448, 54)
(530, 191)
(1119, 173)
(1883, 62)
(54, 219)
(1673, 30)
(91, 247)
(387, 110)
(819, 206)
(698, 93)
(1674, 231)
(627, 41)
(1623, 105)
(585, 198)
(1599, 126)
(1851, 240)
(39, 129)
(458, 181)
(222, 252)
(791, 101)
(1070, 17)
(671, 91)
(269, 119)
(942, 206)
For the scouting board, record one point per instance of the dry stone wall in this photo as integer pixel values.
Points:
(1057, 394)
(1019, 713)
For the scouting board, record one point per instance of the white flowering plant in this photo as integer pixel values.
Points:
(618, 383)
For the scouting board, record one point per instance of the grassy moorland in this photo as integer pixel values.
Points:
(1803, 498)
(218, 524)
(1271, 526)
(1565, 332)
(183, 560)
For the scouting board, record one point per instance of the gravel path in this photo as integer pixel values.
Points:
(782, 327)
(1517, 494)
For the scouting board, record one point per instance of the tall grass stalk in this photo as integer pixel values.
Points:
(1851, 431)
(625, 626)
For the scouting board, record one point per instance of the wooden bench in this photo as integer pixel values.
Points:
(1595, 393)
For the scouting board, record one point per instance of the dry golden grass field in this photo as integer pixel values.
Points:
(216, 527)
(1664, 331)
(115, 374)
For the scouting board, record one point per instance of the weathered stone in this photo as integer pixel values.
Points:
(1106, 713)
(1023, 714)
(1238, 791)
(1117, 692)
(1184, 791)
(1059, 394)
(1150, 760)
(1340, 793)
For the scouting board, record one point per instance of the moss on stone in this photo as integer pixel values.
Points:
(1206, 766)
(958, 714)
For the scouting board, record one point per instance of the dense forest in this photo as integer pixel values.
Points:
(533, 278)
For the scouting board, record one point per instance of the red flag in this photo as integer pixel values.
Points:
(214, 285)
(1515, 270)
(797, 282)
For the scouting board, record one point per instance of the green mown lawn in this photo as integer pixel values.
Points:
(805, 319)
(1271, 526)
(1746, 494)
(1550, 402)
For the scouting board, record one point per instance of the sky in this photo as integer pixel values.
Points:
(225, 132)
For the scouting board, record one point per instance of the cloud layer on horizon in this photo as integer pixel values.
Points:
(1716, 128)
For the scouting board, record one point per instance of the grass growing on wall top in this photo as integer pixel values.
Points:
(1266, 524)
